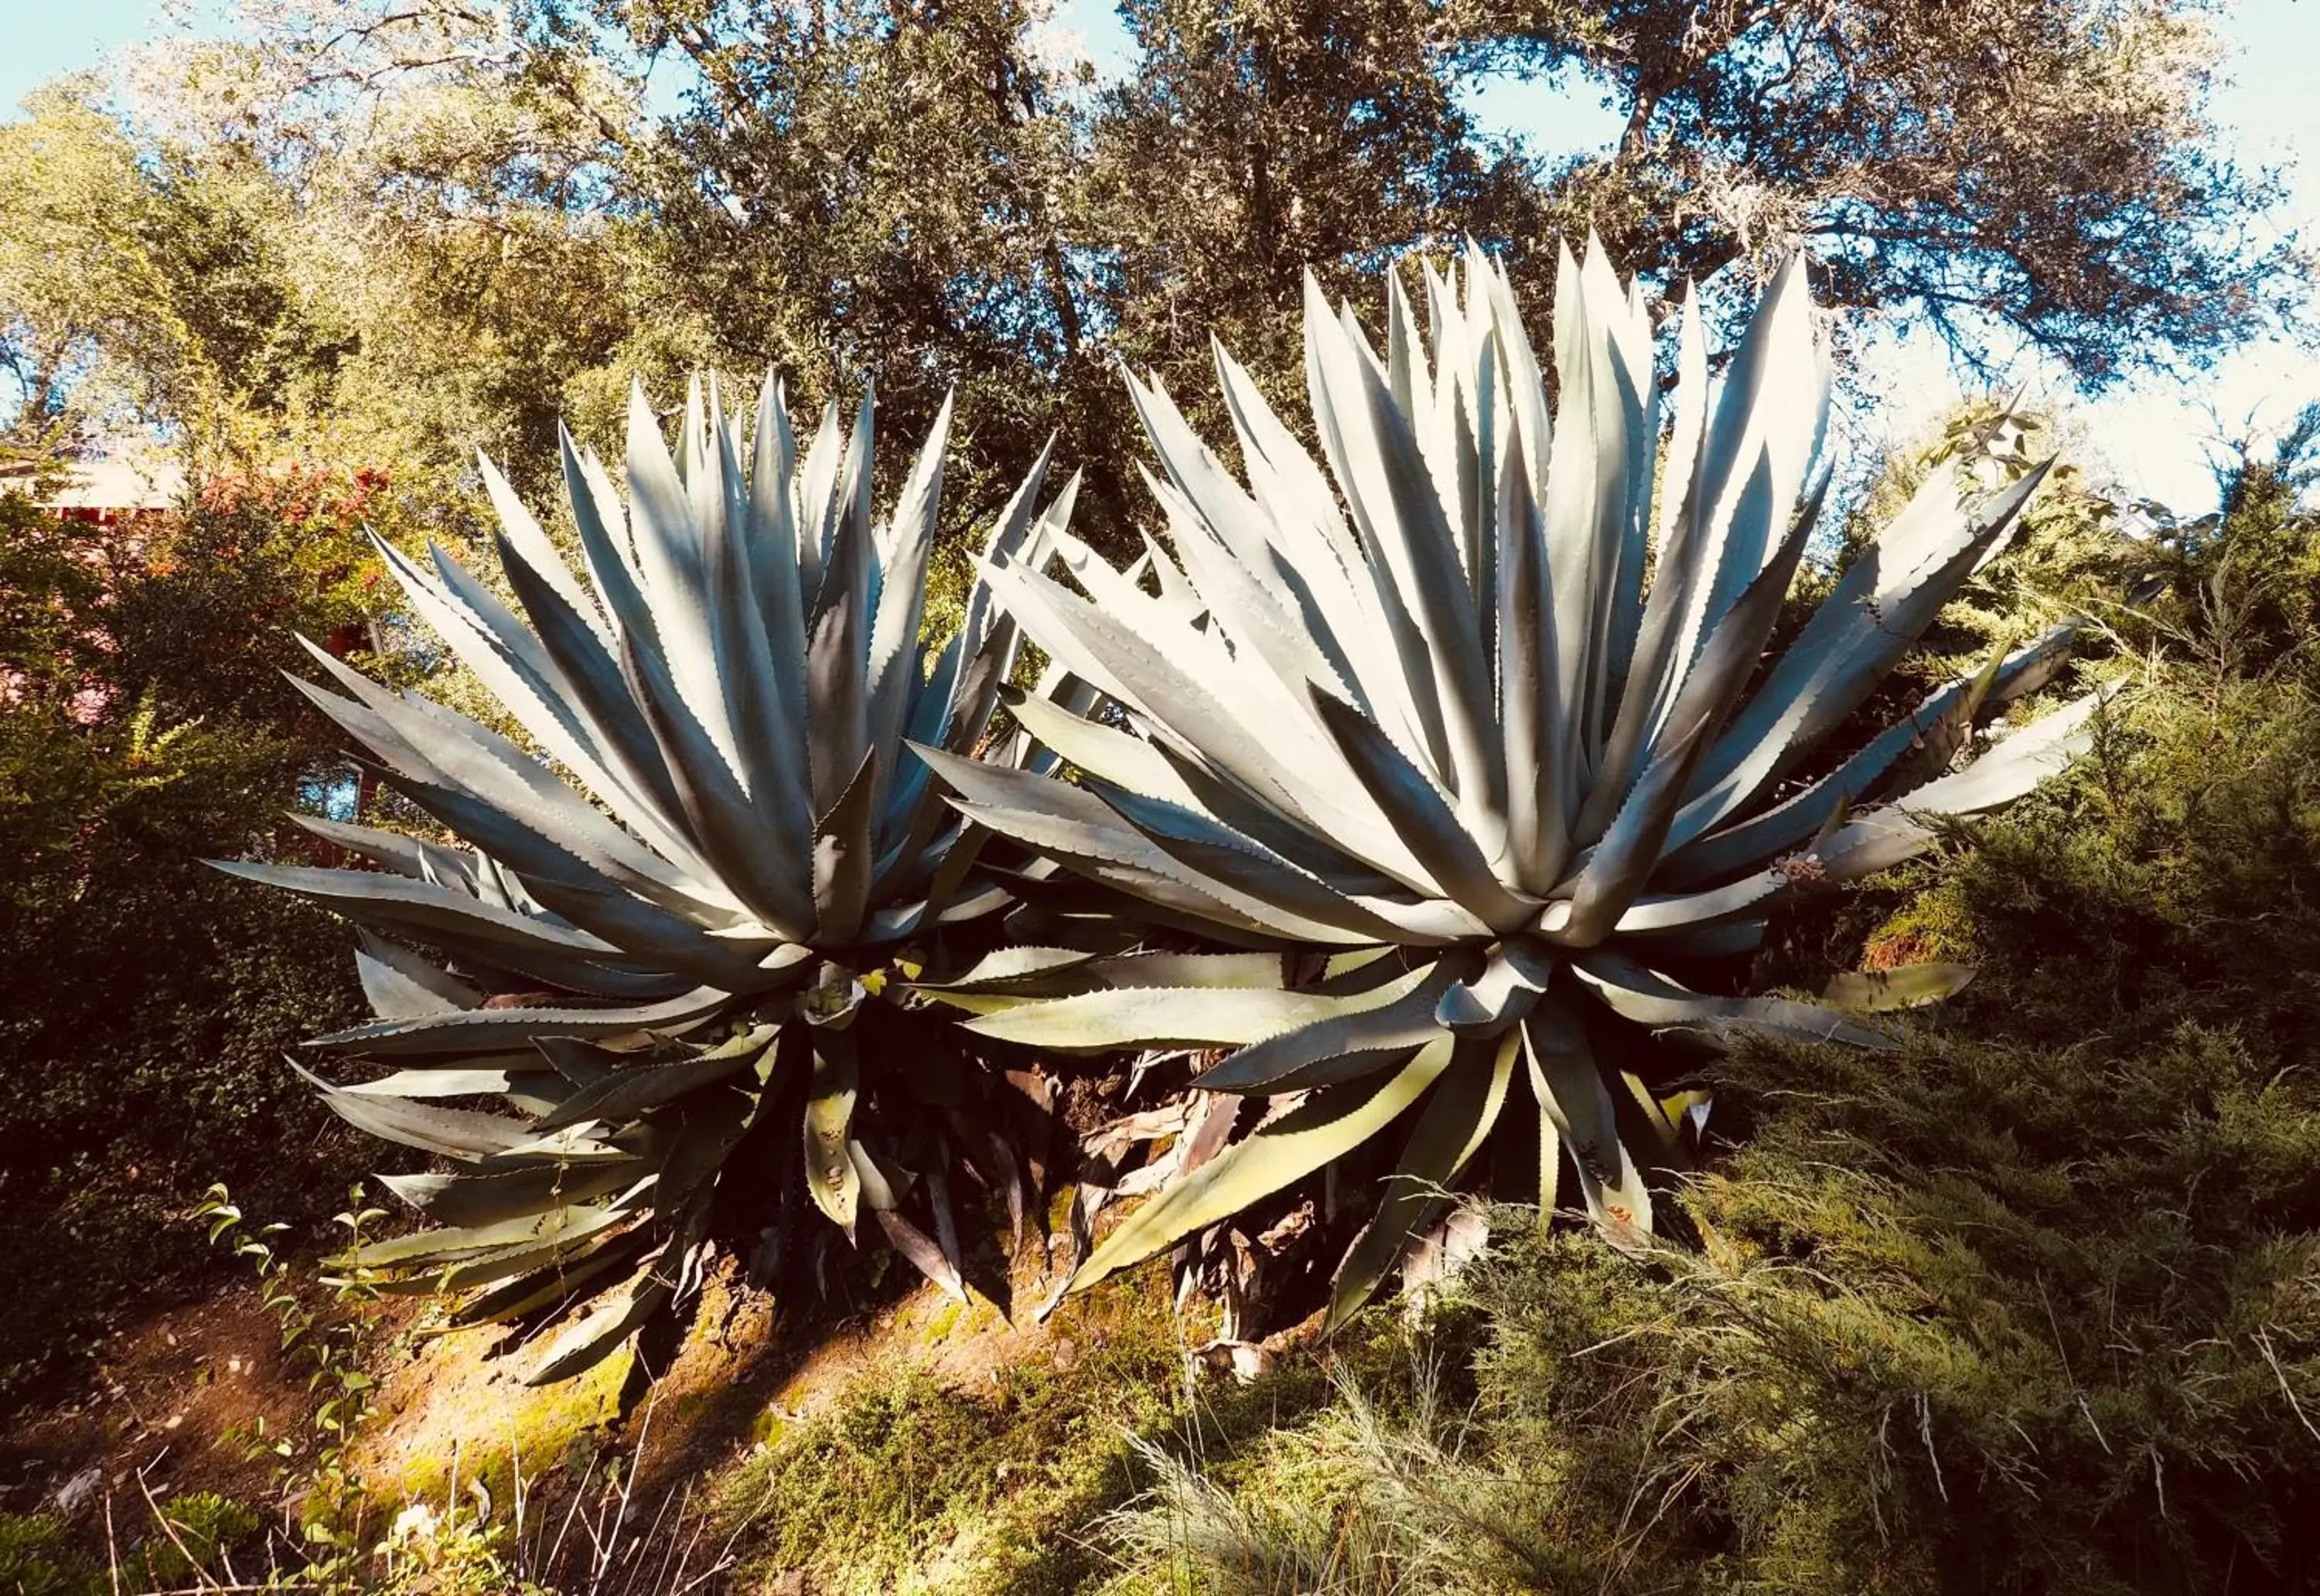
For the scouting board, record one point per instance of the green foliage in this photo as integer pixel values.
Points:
(143, 284)
(2241, 584)
(905, 1482)
(333, 1341)
(38, 1558)
(401, 232)
(198, 1531)
(1957, 160)
(2031, 1304)
(149, 1001)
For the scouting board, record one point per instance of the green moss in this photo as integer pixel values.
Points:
(544, 1426)
(940, 1322)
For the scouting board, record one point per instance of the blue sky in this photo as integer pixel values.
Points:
(2154, 436)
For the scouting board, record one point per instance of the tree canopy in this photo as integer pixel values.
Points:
(2045, 171)
(417, 228)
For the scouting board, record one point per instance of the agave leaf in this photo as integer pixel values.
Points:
(667, 543)
(1391, 623)
(2028, 757)
(457, 1083)
(624, 1094)
(712, 1125)
(602, 521)
(1115, 649)
(1360, 1034)
(1776, 355)
(1228, 546)
(1421, 815)
(1218, 853)
(1538, 816)
(816, 489)
(772, 541)
(1503, 993)
(1296, 496)
(561, 869)
(1593, 532)
(1309, 537)
(1654, 672)
(546, 1288)
(1798, 818)
(1569, 1086)
(399, 985)
(1211, 970)
(1653, 1000)
(1884, 837)
(1326, 858)
(1910, 986)
(1118, 758)
(518, 671)
(529, 1261)
(717, 812)
(453, 1133)
(579, 1145)
(530, 547)
(836, 639)
(1226, 582)
(1449, 1130)
(841, 857)
(486, 1028)
(1388, 476)
(1011, 966)
(602, 1332)
(1878, 610)
(1624, 859)
(1751, 895)
(923, 1252)
(1069, 822)
(555, 1226)
(1158, 1016)
(758, 705)
(396, 902)
(429, 744)
(989, 632)
(467, 1198)
(390, 850)
(830, 1173)
(627, 767)
(893, 657)
(1324, 1127)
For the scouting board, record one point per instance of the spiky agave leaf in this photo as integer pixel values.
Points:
(1429, 701)
(672, 955)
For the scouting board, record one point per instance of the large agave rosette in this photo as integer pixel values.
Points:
(1485, 716)
(679, 951)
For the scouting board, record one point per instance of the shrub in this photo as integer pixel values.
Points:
(148, 1003)
(2031, 1304)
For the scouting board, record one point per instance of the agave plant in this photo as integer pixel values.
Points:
(1494, 726)
(672, 958)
